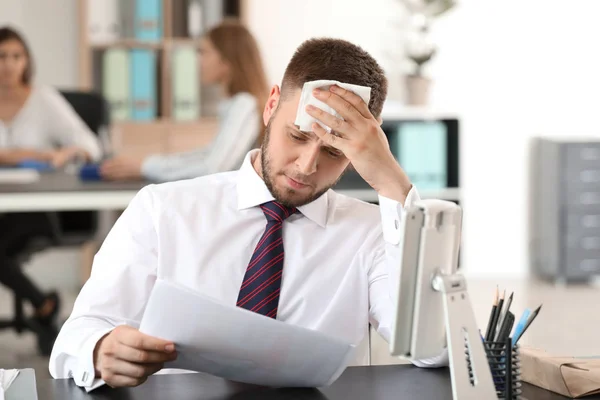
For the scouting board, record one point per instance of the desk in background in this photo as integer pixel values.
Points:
(390, 382)
(62, 192)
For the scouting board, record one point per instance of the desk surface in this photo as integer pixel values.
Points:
(393, 382)
(59, 182)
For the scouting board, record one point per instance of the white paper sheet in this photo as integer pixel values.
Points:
(23, 175)
(240, 345)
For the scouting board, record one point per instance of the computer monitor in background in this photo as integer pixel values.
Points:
(433, 311)
(427, 147)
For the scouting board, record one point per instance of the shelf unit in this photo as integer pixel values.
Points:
(162, 134)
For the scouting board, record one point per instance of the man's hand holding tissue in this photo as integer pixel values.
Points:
(360, 137)
(126, 357)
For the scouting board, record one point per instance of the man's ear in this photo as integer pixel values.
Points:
(272, 103)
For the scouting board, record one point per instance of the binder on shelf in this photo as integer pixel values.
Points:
(115, 83)
(422, 153)
(143, 84)
(127, 11)
(148, 20)
(195, 23)
(186, 97)
(104, 24)
(212, 12)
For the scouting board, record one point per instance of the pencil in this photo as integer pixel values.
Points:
(529, 321)
(488, 332)
(504, 314)
(495, 326)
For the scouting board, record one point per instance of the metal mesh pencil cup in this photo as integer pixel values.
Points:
(505, 366)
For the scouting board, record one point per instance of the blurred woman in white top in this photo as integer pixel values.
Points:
(36, 124)
(230, 58)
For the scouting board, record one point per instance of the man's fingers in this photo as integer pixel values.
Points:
(336, 124)
(138, 340)
(346, 109)
(329, 138)
(115, 366)
(117, 381)
(354, 99)
(139, 356)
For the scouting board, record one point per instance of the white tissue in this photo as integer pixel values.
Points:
(7, 376)
(304, 121)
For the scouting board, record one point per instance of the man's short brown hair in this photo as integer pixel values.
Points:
(335, 59)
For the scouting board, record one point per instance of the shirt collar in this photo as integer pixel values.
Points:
(252, 192)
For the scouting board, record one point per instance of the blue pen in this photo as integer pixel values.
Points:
(520, 326)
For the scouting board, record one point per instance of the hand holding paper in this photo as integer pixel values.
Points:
(126, 357)
(240, 345)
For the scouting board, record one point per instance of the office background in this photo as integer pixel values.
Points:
(509, 70)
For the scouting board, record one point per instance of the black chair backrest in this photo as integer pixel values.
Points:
(94, 110)
(91, 107)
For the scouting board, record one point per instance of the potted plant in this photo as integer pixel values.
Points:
(419, 46)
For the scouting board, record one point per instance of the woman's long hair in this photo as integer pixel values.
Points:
(239, 49)
(6, 34)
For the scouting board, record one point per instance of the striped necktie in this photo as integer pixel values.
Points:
(260, 289)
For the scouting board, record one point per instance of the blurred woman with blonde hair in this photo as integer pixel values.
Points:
(230, 58)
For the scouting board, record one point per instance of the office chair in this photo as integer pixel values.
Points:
(69, 228)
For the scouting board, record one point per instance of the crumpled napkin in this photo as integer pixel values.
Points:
(304, 121)
(7, 376)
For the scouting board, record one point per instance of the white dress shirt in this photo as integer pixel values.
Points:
(47, 121)
(237, 133)
(201, 233)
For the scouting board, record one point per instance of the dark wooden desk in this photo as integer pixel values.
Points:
(393, 382)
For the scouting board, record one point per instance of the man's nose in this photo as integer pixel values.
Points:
(307, 161)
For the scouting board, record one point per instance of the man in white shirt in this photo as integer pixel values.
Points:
(224, 235)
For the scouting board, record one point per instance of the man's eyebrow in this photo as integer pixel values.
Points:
(295, 128)
(311, 134)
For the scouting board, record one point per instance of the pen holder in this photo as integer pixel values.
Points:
(505, 366)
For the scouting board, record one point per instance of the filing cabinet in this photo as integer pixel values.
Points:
(565, 208)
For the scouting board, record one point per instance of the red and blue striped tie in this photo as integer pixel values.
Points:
(260, 289)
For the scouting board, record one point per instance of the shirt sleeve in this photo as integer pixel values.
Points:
(385, 267)
(68, 129)
(123, 274)
(237, 133)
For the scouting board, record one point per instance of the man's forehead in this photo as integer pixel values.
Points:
(291, 100)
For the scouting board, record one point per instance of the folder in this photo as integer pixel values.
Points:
(148, 20)
(195, 20)
(212, 12)
(186, 101)
(143, 84)
(104, 25)
(115, 83)
(127, 12)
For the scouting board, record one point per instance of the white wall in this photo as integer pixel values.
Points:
(280, 26)
(51, 29)
(511, 69)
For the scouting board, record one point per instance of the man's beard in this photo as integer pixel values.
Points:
(284, 196)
